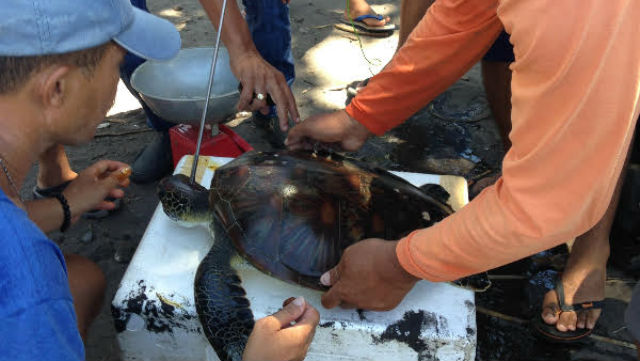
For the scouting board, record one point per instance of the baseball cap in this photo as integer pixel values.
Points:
(43, 27)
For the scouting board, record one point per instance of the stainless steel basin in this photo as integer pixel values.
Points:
(176, 89)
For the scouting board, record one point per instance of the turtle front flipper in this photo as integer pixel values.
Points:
(183, 201)
(221, 304)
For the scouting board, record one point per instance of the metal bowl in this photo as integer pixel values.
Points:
(176, 89)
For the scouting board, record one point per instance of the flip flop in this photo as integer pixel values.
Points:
(550, 332)
(362, 28)
(40, 193)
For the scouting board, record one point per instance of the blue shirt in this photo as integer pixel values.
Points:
(37, 318)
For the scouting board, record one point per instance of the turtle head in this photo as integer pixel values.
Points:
(184, 202)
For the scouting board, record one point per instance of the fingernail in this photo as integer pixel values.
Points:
(325, 279)
(123, 174)
(298, 302)
(288, 301)
(286, 141)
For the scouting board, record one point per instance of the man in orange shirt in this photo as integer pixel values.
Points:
(575, 100)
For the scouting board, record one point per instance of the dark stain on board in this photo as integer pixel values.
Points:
(409, 330)
(159, 316)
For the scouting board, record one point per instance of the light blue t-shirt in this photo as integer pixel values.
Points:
(37, 318)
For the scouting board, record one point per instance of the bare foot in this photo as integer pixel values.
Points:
(54, 168)
(54, 179)
(361, 7)
(581, 285)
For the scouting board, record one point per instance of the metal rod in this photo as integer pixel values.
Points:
(212, 72)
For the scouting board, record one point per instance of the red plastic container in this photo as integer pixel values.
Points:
(226, 143)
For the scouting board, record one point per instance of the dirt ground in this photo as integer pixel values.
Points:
(326, 61)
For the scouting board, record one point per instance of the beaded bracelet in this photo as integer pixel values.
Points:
(67, 212)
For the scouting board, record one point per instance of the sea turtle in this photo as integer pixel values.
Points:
(291, 215)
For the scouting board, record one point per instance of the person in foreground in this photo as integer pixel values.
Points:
(59, 67)
(574, 106)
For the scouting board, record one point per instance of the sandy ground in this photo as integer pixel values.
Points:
(326, 61)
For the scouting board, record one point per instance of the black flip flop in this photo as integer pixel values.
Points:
(360, 24)
(550, 332)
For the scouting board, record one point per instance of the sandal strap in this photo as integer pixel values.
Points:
(576, 306)
(378, 17)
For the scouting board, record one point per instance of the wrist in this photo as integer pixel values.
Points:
(400, 273)
(241, 50)
(66, 211)
(355, 126)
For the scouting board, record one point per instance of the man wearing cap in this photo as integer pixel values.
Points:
(260, 55)
(59, 67)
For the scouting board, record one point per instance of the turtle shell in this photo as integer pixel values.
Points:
(292, 214)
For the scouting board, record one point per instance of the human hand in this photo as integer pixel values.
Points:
(337, 127)
(259, 77)
(368, 276)
(275, 338)
(97, 182)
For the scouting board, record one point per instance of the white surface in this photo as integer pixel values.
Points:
(163, 269)
(124, 101)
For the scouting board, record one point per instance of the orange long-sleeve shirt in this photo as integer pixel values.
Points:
(575, 100)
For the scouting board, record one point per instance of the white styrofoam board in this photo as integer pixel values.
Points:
(154, 305)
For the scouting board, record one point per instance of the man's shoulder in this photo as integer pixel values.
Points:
(32, 268)
(19, 234)
(36, 304)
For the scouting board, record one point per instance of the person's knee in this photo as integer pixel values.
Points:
(85, 273)
(87, 284)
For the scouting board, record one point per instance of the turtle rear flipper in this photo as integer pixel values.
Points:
(436, 191)
(479, 282)
(220, 299)
(183, 201)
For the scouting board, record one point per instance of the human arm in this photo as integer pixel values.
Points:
(274, 338)
(255, 73)
(575, 103)
(88, 191)
(447, 42)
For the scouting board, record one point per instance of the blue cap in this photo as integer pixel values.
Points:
(42, 27)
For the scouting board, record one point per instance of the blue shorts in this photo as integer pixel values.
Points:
(632, 314)
(270, 28)
(501, 50)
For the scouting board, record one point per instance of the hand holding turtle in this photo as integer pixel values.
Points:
(97, 182)
(260, 78)
(337, 127)
(274, 338)
(368, 276)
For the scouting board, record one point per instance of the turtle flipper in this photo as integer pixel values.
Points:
(221, 304)
(436, 191)
(479, 282)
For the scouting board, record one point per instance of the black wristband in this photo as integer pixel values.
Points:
(65, 209)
